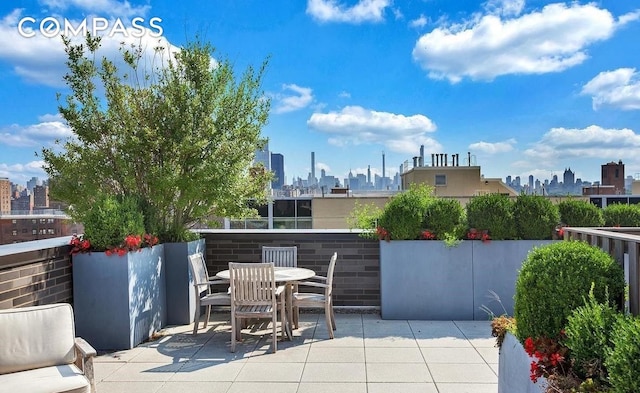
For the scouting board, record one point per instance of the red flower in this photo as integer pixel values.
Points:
(485, 237)
(556, 358)
(121, 251)
(529, 346)
(472, 234)
(534, 372)
(428, 235)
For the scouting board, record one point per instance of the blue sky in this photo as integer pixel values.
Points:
(528, 87)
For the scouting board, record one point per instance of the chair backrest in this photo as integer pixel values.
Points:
(198, 268)
(35, 337)
(252, 283)
(332, 267)
(280, 256)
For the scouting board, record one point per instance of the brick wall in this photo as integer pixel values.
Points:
(357, 274)
(35, 277)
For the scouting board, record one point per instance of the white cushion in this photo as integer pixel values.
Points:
(35, 337)
(55, 379)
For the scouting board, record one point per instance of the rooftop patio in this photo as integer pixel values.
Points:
(368, 354)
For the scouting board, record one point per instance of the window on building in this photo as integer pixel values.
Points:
(50, 220)
(51, 231)
(34, 231)
(34, 221)
(441, 180)
(14, 233)
(42, 221)
(304, 207)
(13, 221)
(284, 208)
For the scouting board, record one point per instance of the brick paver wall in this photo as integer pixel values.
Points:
(357, 273)
(35, 277)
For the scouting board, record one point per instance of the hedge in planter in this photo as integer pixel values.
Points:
(403, 216)
(535, 217)
(555, 279)
(492, 212)
(619, 215)
(576, 213)
(445, 218)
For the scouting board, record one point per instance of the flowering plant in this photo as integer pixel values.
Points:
(427, 235)
(383, 234)
(550, 354)
(483, 235)
(79, 244)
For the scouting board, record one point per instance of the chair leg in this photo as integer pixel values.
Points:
(327, 316)
(333, 315)
(196, 318)
(296, 317)
(206, 321)
(283, 320)
(274, 321)
(233, 333)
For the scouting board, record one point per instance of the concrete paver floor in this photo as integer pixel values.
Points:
(368, 355)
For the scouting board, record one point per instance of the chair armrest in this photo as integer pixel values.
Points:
(321, 278)
(313, 284)
(84, 360)
(280, 290)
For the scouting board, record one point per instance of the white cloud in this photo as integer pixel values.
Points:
(112, 7)
(334, 11)
(354, 125)
(289, 103)
(493, 148)
(41, 60)
(34, 135)
(20, 173)
(505, 7)
(549, 40)
(344, 94)
(590, 142)
(419, 22)
(321, 165)
(619, 88)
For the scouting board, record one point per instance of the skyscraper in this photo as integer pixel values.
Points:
(313, 169)
(5, 195)
(263, 156)
(277, 166)
(613, 175)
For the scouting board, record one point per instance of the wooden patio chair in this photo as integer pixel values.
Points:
(253, 295)
(286, 256)
(319, 300)
(202, 284)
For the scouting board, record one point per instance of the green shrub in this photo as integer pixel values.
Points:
(110, 220)
(555, 279)
(403, 216)
(492, 212)
(589, 337)
(444, 217)
(623, 361)
(621, 215)
(364, 216)
(535, 217)
(578, 213)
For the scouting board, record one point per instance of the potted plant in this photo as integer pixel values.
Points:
(180, 136)
(118, 276)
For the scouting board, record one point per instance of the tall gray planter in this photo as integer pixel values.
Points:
(514, 367)
(181, 303)
(119, 301)
(425, 279)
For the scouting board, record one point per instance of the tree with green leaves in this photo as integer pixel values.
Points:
(180, 137)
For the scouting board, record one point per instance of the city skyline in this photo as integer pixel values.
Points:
(528, 87)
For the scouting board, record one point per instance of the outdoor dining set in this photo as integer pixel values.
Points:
(256, 291)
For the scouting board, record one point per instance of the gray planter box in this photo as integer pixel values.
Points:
(181, 303)
(514, 369)
(119, 301)
(425, 279)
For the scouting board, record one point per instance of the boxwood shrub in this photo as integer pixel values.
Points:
(403, 216)
(492, 212)
(623, 361)
(578, 213)
(110, 220)
(535, 216)
(444, 217)
(555, 279)
(621, 215)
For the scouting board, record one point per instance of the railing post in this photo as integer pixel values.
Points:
(634, 279)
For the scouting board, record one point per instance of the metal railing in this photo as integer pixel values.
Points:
(623, 244)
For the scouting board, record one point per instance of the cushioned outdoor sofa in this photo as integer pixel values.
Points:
(40, 353)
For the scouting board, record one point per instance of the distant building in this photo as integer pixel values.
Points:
(16, 228)
(5, 195)
(277, 167)
(613, 175)
(40, 197)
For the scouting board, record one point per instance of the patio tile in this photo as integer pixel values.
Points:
(222, 354)
(191, 387)
(323, 387)
(462, 373)
(347, 319)
(452, 355)
(402, 387)
(118, 356)
(443, 342)
(467, 387)
(398, 372)
(129, 387)
(393, 355)
(137, 372)
(291, 353)
(337, 354)
(483, 342)
(103, 370)
(156, 355)
(270, 372)
(338, 341)
(390, 342)
(200, 370)
(475, 329)
(334, 372)
(263, 387)
(490, 355)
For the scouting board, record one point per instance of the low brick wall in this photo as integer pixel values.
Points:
(34, 277)
(357, 274)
